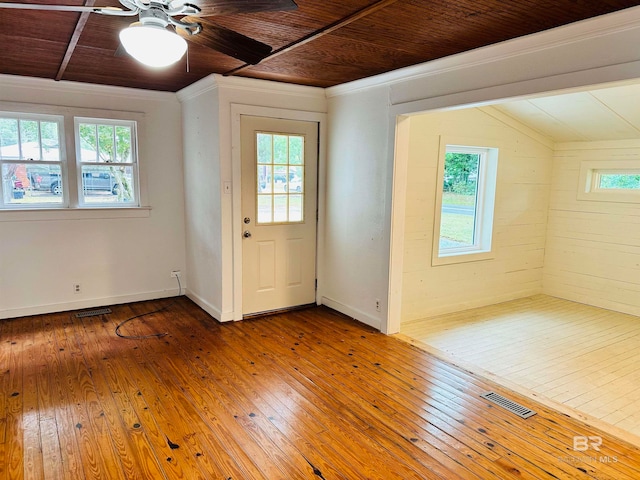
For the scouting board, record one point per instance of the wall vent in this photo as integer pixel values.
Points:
(513, 407)
(93, 313)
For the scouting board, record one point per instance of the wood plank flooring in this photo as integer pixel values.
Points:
(577, 356)
(304, 395)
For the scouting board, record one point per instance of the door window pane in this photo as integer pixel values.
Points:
(280, 178)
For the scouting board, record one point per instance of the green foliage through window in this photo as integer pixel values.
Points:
(626, 181)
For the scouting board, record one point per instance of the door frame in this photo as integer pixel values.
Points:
(237, 111)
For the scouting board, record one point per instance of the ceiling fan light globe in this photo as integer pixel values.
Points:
(153, 45)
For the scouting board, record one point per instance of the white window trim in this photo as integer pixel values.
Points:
(134, 164)
(485, 203)
(589, 180)
(72, 210)
(40, 116)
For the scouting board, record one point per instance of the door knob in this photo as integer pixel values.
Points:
(246, 234)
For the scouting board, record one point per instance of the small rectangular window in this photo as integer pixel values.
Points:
(31, 160)
(610, 181)
(107, 162)
(466, 197)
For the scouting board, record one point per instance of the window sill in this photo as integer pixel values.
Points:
(461, 258)
(48, 214)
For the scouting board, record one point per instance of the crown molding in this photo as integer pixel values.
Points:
(202, 86)
(269, 86)
(215, 81)
(16, 81)
(608, 24)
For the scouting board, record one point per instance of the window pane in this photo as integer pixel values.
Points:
(295, 208)
(280, 179)
(9, 138)
(265, 209)
(459, 199)
(264, 147)
(88, 142)
(264, 179)
(280, 150)
(107, 185)
(29, 184)
(296, 150)
(280, 210)
(123, 144)
(296, 179)
(626, 181)
(29, 140)
(50, 141)
(106, 141)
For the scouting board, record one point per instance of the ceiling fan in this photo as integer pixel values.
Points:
(158, 37)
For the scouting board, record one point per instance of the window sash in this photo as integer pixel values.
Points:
(28, 160)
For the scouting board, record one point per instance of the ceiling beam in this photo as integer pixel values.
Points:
(82, 21)
(363, 12)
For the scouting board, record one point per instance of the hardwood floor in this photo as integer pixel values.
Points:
(304, 395)
(576, 356)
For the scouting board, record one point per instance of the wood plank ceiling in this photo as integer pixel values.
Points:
(322, 43)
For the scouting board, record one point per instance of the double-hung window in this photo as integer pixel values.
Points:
(107, 168)
(41, 166)
(32, 160)
(465, 204)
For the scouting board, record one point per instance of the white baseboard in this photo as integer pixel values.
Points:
(86, 303)
(352, 312)
(209, 308)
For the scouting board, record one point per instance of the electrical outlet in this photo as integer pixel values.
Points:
(76, 288)
(377, 305)
(176, 273)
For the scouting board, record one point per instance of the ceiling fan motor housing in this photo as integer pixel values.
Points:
(154, 15)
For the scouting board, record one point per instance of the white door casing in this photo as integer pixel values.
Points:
(279, 200)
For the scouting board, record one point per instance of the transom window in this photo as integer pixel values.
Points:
(31, 160)
(280, 178)
(610, 181)
(466, 197)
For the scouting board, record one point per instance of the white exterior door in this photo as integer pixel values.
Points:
(279, 197)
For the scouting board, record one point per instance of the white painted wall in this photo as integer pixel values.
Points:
(520, 217)
(214, 225)
(203, 224)
(116, 257)
(593, 248)
(358, 206)
(362, 118)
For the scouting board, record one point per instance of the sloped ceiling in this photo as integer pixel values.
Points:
(600, 114)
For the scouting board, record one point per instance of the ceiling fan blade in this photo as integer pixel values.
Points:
(69, 8)
(227, 41)
(227, 7)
